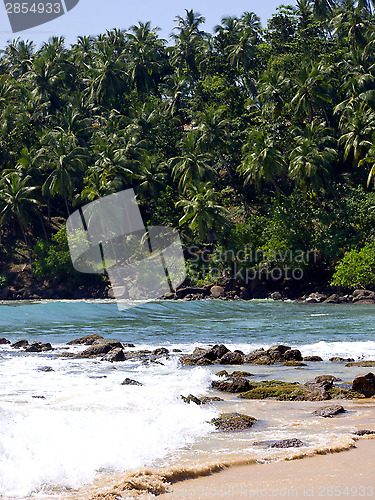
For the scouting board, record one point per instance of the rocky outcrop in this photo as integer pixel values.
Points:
(38, 347)
(100, 347)
(365, 384)
(232, 422)
(312, 358)
(161, 351)
(363, 432)
(339, 359)
(275, 354)
(86, 340)
(327, 378)
(232, 358)
(4, 341)
(329, 411)
(365, 364)
(233, 385)
(129, 381)
(217, 291)
(288, 443)
(115, 355)
(20, 344)
(191, 399)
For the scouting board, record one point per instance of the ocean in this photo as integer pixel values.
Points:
(62, 428)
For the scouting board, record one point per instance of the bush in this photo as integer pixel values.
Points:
(356, 269)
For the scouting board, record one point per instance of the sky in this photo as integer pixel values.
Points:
(91, 17)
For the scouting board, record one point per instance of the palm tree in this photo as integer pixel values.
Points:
(17, 201)
(19, 55)
(262, 160)
(272, 87)
(202, 212)
(312, 159)
(193, 165)
(322, 9)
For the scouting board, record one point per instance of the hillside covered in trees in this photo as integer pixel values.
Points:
(257, 143)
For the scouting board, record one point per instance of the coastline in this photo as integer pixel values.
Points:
(313, 477)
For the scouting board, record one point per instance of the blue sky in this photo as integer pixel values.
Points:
(91, 17)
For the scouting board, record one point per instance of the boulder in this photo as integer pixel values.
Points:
(276, 296)
(293, 355)
(294, 363)
(222, 373)
(191, 399)
(231, 422)
(129, 381)
(233, 385)
(217, 291)
(216, 352)
(339, 359)
(318, 391)
(190, 291)
(238, 373)
(327, 378)
(87, 340)
(38, 347)
(100, 347)
(210, 399)
(288, 443)
(329, 411)
(116, 354)
(312, 358)
(4, 341)
(363, 432)
(161, 351)
(364, 384)
(45, 369)
(332, 299)
(232, 358)
(20, 343)
(253, 355)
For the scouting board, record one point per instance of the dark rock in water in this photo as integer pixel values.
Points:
(222, 373)
(363, 432)
(129, 381)
(204, 357)
(97, 376)
(312, 358)
(293, 355)
(100, 347)
(161, 351)
(210, 399)
(254, 355)
(38, 397)
(366, 363)
(232, 358)
(276, 352)
(20, 343)
(176, 350)
(288, 443)
(45, 369)
(230, 422)
(263, 443)
(238, 373)
(115, 355)
(233, 385)
(217, 291)
(87, 340)
(4, 341)
(216, 352)
(191, 399)
(338, 359)
(329, 411)
(326, 378)
(364, 384)
(318, 391)
(294, 363)
(38, 347)
(128, 344)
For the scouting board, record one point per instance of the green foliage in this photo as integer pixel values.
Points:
(53, 258)
(356, 269)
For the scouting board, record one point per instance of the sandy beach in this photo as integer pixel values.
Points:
(348, 474)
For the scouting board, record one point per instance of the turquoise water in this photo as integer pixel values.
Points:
(206, 322)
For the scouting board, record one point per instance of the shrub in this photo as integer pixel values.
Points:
(356, 269)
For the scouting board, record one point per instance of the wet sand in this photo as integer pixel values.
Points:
(348, 474)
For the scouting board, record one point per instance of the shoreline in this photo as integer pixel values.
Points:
(313, 477)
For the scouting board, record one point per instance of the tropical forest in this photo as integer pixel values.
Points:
(256, 142)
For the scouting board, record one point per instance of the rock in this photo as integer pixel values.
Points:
(249, 358)
(100, 347)
(230, 422)
(318, 391)
(294, 363)
(277, 352)
(222, 373)
(363, 296)
(161, 351)
(327, 378)
(332, 299)
(4, 341)
(238, 373)
(288, 443)
(232, 358)
(329, 411)
(363, 432)
(293, 355)
(338, 359)
(128, 344)
(20, 343)
(87, 340)
(176, 350)
(261, 360)
(233, 385)
(191, 399)
(312, 358)
(210, 399)
(129, 381)
(38, 347)
(114, 355)
(216, 352)
(366, 364)
(169, 296)
(45, 369)
(364, 384)
(276, 296)
(217, 291)
(184, 292)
